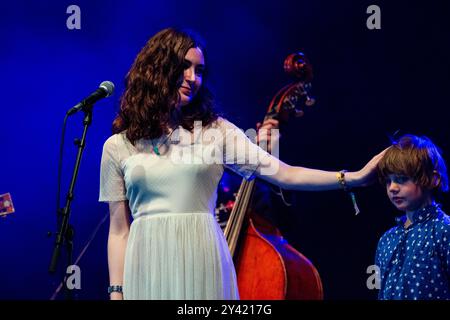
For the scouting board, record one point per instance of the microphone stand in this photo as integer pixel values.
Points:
(66, 231)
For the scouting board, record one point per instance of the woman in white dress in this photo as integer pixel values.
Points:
(162, 168)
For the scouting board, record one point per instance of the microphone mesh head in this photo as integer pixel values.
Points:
(108, 86)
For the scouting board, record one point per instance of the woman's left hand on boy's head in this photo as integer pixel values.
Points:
(367, 175)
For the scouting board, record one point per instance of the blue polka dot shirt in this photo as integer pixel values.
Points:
(415, 262)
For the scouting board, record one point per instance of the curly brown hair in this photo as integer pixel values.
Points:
(417, 158)
(147, 107)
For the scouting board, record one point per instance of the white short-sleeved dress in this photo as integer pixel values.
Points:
(176, 249)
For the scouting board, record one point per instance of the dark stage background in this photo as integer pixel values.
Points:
(368, 84)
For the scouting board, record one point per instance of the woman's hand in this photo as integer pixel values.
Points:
(265, 138)
(368, 174)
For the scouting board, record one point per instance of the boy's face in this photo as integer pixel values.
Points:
(405, 194)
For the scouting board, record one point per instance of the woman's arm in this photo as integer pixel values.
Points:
(119, 228)
(300, 178)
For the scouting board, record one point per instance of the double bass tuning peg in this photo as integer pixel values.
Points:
(299, 113)
(310, 101)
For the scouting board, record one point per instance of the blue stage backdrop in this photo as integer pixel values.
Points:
(368, 84)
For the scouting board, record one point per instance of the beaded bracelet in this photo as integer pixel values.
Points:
(112, 289)
(341, 180)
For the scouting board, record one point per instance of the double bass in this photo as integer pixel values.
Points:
(267, 267)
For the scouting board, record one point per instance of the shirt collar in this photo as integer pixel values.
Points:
(421, 215)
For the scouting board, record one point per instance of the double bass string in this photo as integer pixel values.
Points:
(234, 226)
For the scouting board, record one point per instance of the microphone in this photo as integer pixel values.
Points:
(105, 89)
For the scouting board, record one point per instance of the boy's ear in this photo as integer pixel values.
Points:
(436, 179)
